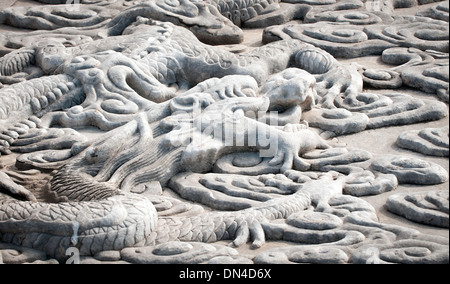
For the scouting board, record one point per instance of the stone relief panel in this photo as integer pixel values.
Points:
(139, 131)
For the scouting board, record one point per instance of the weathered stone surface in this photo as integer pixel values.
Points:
(382, 79)
(430, 208)
(11, 254)
(438, 12)
(176, 253)
(367, 183)
(429, 141)
(311, 254)
(138, 132)
(424, 70)
(337, 121)
(393, 109)
(403, 251)
(410, 170)
(111, 255)
(340, 40)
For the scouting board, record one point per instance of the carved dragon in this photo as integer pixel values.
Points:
(95, 185)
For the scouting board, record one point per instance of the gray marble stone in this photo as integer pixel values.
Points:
(430, 208)
(163, 132)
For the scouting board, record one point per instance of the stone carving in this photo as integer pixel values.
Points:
(355, 33)
(429, 141)
(430, 208)
(439, 12)
(11, 254)
(426, 71)
(410, 170)
(54, 17)
(184, 252)
(381, 79)
(130, 134)
(369, 183)
(335, 241)
(96, 81)
(212, 21)
(363, 32)
(370, 111)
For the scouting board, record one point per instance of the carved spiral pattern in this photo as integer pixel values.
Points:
(129, 139)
